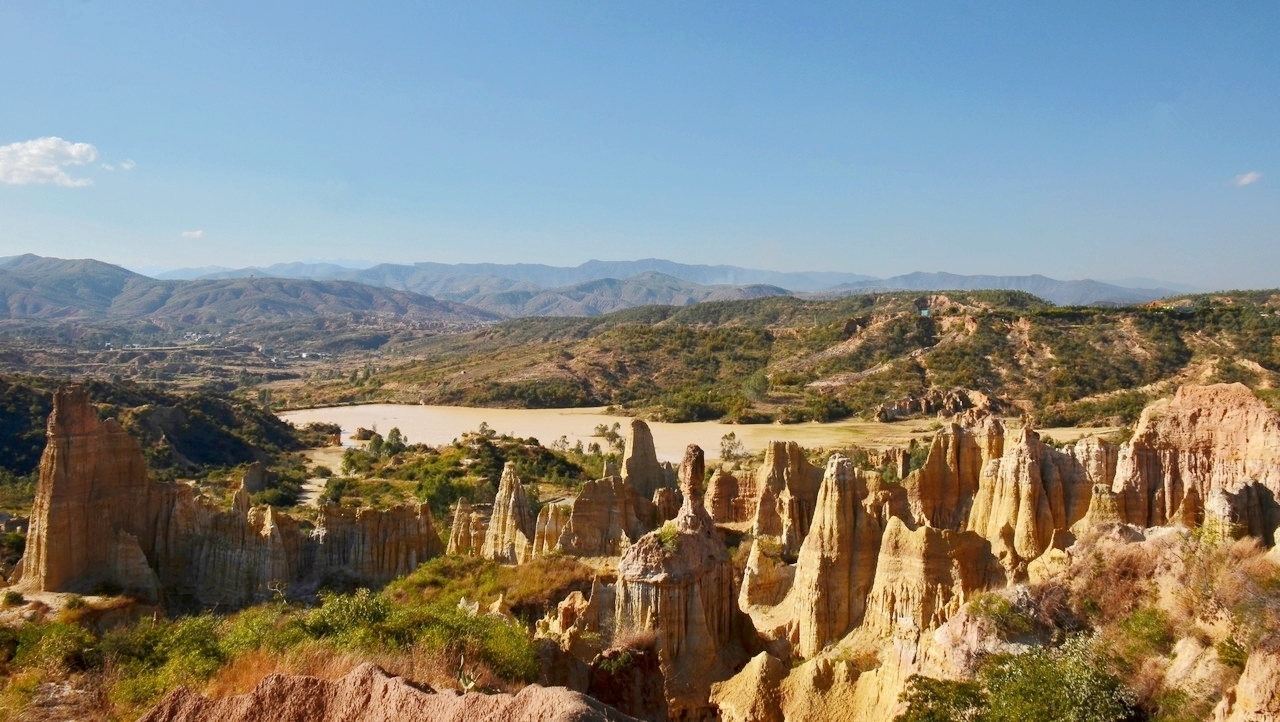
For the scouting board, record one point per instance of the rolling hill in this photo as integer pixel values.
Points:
(419, 276)
(34, 288)
(791, 359)
(1064, 293)
(567, 291)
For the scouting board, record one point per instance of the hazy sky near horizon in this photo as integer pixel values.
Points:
(1089, 139)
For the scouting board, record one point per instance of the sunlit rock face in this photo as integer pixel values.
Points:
(640, 467)
(837, 561)
(606, 517)
(788, 490)
(509, 537)
(98, 521)
(466, 534)
(678, 582)
(1204, 440)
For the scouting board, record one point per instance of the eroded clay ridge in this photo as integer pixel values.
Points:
(368, 694)
(885, 569)
(99, 522)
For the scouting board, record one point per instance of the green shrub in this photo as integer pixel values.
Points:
(669, 538)
(12, 546)
(1068, 684)
(504, 648)
(616, 664)
(1148, 633)
(942, 700)
(74, 602)
(349, 619)
(918, 456)
(269, 626)
(1232, 654)
(1007, 620)
(56, 647)
(13, 599)
(158, 655)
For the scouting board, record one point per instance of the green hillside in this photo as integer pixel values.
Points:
(783, 358)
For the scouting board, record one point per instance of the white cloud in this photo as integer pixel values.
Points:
(193, 234)
(42, 161)
(128, 165)
(1249, 178)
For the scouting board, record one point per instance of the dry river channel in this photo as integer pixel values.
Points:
(436, 425)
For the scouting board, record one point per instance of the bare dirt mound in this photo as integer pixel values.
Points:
(368, 694)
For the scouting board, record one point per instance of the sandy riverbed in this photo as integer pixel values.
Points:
(437, 425)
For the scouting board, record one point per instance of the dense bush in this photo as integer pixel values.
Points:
(141, 661)
(1067, 683)
(555, 393)
(17, 492)
(1124, 407)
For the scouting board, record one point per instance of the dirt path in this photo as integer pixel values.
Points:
(312, 488)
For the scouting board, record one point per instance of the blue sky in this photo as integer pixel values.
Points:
(1098, 140)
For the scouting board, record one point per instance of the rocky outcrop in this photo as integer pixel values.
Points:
(552, 520)
(606, 517)
(678, 583)
(93, 484)
(941, 493)
(666, 503)
(98, 521)
(837, 561)
(582, 626)
(934, 401)
(986, 510)
(1104, 508)
(509, 537)
(368, 545)
(1015, 509)
(767, 578)
(1256, 695)
(754, 694)
(896, 458)
(640, 467)
(725, 501)
(1204, 439)
(629, 679)
(368, 694)
(922, 577)
(788, 489)
(1033, 491)
(744, 504)
(255, 478)
(466, 535)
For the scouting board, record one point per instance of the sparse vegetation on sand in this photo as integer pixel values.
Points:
(415, 628)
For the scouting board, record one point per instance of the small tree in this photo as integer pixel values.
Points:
(731, 448)
(756, 386)
(395, 443)
(943, 700)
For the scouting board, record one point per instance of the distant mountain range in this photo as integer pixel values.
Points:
(1062, 293)
(524, 289)
(418, 275)
(53, 289)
